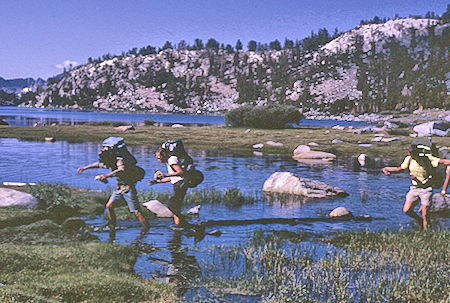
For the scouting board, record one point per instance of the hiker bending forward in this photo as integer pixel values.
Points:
(174, 175)
(421, 187)
(125, 188)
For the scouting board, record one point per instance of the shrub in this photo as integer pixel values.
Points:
(268, 117)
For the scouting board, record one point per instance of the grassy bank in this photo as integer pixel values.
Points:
(224, 138)
(405, 266)
(45, 260)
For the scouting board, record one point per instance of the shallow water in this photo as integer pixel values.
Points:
(181, 254)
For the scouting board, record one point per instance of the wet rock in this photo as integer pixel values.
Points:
(194, 210)
(159, 209)
(440, 203)
(364, 160)
(336, 141)
(11, 197)
(125, 128)
(73, 224)
(341, 212)
(177, 125)
(313, 144)
(2, 122)
(259, 145)
(289, 183)
(49, 139)
(215, 233)
(314, 155)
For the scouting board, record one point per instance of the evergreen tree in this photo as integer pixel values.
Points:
(238, 45)
(251, 46)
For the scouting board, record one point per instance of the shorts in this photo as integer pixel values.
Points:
(424, 194)
(129, 197)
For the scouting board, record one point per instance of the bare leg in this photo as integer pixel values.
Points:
(424, 210)
(110, 213)
(142, 219)
(408, 208)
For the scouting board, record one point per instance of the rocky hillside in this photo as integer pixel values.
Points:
(400, 64)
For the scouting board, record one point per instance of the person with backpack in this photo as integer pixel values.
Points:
(421, 166)
(179, 171)
(116, 157)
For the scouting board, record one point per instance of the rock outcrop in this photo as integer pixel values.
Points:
(289, 183)
(10, 197)
(159, 209)
(440, 203)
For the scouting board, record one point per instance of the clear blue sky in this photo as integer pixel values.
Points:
(37, 36)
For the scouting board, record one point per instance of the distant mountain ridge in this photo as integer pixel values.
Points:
(17, 85)
(399, 64)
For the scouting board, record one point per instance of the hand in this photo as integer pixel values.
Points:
(102, 177)
(386, 171)
(158, 175)
(443, 193)
(152, 181)
(80, 170)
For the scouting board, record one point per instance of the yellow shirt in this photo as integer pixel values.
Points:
(416, 170)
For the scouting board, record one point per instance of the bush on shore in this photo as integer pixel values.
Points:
(268, 117)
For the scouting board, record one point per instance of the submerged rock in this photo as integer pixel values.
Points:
(289, 183)
(11, 197)
(159, 209)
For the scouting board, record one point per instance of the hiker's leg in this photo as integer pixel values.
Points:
(425, 199)
(110, 209)
(133, 205)
(176, 201)
(411, 201)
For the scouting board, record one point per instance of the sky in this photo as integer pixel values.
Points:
(39, 38)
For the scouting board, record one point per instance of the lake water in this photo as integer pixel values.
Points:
(370, 192)
(22, 116)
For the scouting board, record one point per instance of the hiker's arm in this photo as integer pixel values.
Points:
(120, 168)
(444, 161)
(163, 180)
(178, 171)
(392, 169)
(93, 165)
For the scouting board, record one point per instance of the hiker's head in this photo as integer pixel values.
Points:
(413, 151)
(162, 154)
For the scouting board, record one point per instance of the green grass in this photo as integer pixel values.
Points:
(223, 138)
(81, 272)
(404, 266)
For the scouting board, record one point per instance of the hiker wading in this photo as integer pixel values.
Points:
(117, 158)
(419, 169)
(174, 175)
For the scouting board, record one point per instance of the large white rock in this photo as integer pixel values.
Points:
(159, 209)
(11, 197)
(440, 203)
(289, 183)
(432, 128)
